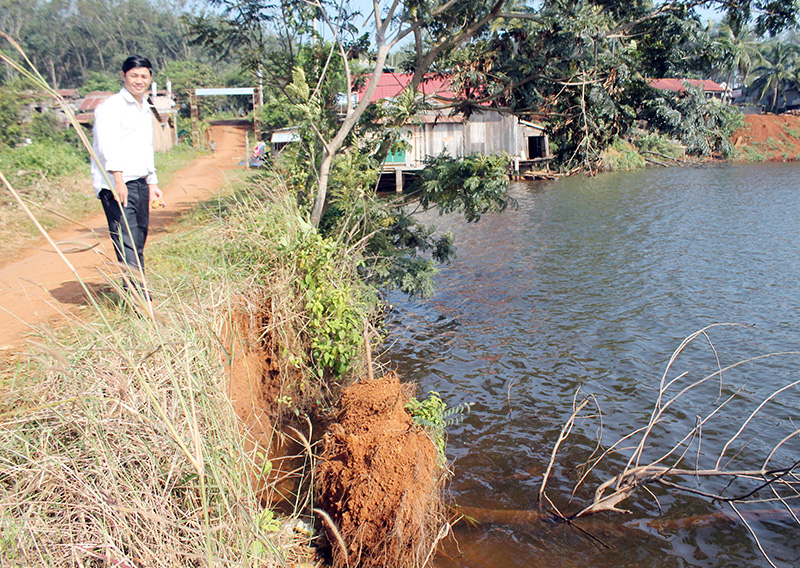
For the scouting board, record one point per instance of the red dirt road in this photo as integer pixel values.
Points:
(40, 290)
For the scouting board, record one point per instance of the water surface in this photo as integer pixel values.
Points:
(592, 284)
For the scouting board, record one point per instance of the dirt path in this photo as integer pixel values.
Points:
(39, 289)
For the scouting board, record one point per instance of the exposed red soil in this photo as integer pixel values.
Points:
(39, 289)
(776, 136)
(255, 385)
(378, 480)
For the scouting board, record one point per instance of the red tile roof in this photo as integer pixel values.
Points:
(677, 85)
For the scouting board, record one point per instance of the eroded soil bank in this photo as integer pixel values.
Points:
(377, 478)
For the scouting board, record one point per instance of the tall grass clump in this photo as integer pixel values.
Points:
(130, 452)
(622, 156)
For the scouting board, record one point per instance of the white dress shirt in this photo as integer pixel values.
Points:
(123, 141)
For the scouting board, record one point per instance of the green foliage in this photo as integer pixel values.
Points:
(398, 251)
(69, 39)
(434, 417)
(10, 119)
(336, 312)
(42, 159)
(472, 185)
(100, 81)
(704, 126)
(660, 144)
(622, 156)
(776, 71)
(187, 76)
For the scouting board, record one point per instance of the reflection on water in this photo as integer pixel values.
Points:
(593, 284)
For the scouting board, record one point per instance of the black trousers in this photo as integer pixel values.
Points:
(129, 246)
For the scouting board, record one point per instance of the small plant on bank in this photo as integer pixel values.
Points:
(622, 156)
(434, 417)
(659, 144)
(335, 313)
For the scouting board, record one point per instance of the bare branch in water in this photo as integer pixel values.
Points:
(769, 483)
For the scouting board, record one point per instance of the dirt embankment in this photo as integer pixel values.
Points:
(769, 137)
(378, 476)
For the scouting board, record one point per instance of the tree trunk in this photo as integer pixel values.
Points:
(775, 99)
(322, 188)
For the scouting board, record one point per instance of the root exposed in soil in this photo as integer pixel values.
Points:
(379, 480)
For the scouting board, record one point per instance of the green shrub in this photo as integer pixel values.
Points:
(45, 159)
(660, 144)
(622, 157)
(434, 417)
(335, 310)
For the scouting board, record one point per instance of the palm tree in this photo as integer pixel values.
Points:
(742, 50)
(776, 70)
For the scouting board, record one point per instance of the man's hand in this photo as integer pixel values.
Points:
(155, 197)
(121, 189)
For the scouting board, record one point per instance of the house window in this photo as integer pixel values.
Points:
(537, 147)
(397, 157)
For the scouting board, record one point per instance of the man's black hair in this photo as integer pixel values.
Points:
(135, 61)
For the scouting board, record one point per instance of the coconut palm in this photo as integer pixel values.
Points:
(742, 51)
(776, 70)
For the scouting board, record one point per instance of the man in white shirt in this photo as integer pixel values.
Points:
(123, 144)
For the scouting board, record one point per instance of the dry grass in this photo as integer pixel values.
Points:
(128, 452)
(120, 444)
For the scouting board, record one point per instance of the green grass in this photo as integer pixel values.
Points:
(752, 153)
(794, 132)
(622, 156)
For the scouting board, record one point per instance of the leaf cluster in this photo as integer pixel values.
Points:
(704, 126)
(399, 251)
(335, 311)
(433, 415)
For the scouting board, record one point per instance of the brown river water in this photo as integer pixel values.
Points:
(592, 284)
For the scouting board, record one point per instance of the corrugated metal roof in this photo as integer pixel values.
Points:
(68, 93)
(93, 100)
(392, 84)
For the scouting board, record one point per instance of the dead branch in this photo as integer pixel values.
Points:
(766, 483)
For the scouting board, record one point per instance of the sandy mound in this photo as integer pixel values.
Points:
(379, 479)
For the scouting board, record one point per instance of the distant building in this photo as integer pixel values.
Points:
(712, 89)
(164, 109)
(484, 132)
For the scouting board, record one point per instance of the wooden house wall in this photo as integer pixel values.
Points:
(484, 133)
(163, 136)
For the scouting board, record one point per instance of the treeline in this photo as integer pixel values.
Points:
(70, 40)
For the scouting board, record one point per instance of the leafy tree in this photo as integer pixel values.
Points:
(740, 52)
(581, 66)
(308, 76)
(187, 76)
(704, 126)
(65, 39)
(100, 81)
(10, 119)
(776, 70)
